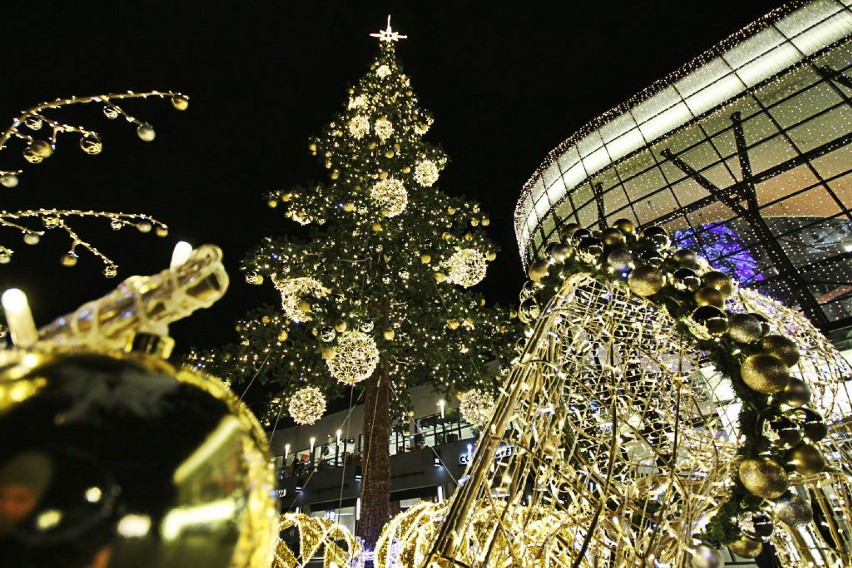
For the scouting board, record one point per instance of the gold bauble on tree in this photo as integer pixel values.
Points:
(763, 477)
(566, 231)
(538, 270)
(625, 226)
(765, 373)
(806, 459)
(707, 296)
(646, 280)
(792, 509)
(612, 237)
(745, 547)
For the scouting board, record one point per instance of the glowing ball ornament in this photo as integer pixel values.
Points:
(359, 126)
(390, 196)
(426, 173)
(476, 406)
(307, 405)
(355, 357)
(467, 267)
(383, 128)
(293, 291)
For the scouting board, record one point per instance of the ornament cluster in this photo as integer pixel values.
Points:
(779, 433)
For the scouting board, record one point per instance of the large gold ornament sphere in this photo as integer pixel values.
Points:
(765, 373)
(745, 328)
(792, 510)
(624, 225)
(720, 281)
(127, 461)
(745, 547)
(709, 321)
(646, 280)
(782, 347)
(763, 477)
(707, 296)
(538, 270)
(560, 253)
(612, 237)
(806, 459)
(707, 557)
(566, 232)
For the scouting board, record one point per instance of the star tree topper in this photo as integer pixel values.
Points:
(388, 34)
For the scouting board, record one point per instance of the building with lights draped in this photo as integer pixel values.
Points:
(742, 155)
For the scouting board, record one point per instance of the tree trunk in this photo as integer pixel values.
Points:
(375, 467)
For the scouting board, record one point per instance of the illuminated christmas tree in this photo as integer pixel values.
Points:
(375, 299)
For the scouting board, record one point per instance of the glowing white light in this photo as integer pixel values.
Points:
(180, 254)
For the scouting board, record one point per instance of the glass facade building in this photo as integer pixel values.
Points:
(743, 155)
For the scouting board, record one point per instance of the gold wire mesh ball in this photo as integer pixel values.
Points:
(476, 406)
(293, 291)
(307, 405)
(359, 126)
(390, 196)
(355, 357)
(314, 536)
(467, 267)
(383, 128)
(426, 173)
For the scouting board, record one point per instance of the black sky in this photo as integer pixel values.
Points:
(506, 83)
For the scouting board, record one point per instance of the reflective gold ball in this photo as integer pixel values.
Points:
(765, 373)
(745, 547)
(707, 296)
(718, 280)
(538, 270)
(566, 232)
(782, 347)
(792, 510)
(624, 225)
(763, 477)
(806, 459)
(646, 280)
(129, 458)
(612, 237)
(745, 328)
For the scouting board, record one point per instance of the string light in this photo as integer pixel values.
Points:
(307, 405)
(467, 267)
(36, 121)
(293, 292)
(355, 357)
(476, 406)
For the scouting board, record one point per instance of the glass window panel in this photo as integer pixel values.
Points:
(827, 32)
(770, 153)
(757, 128)
(615, 199)
(822, 238)
(672, 173)
(700, 157)
(573, 177)
(588, 215)
(687, 138)
(719, 176)
(733, 165)
(725, 143)
(625, 144)
(655, 105)
(582, 195)
(666, 121)
(548, 225)
(569, 158)
(589, 143)
(753, 47)
(566, 212)
(635, 165)
(596, 161)
(804, 105)
(784, 184)
(834, 163)
(616, 127)
(813, 202)
(806, 17)
(541, 207)
(769, 64)
(838, 58)
(842, 188)
(790, 83)
(713, 95)
(701, 77)
(712, 213)
(550, 175)
(823, 128)
(688, 191)
(640, 186)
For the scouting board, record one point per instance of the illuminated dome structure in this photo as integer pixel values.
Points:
(743, 155)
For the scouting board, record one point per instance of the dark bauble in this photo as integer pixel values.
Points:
(612, 237)
(621, 260)
(763, 477)
(567, 231)
(792, 509)
(580, 234)
(720, 281)
(707, 296)
(712, 319)
(706, 556)
(765, 373)
(756, 525)
(646, 280)
(685, 280)
(782, 347)
(657, 237)
(538, 270)
(745, 328)
(560, 253)
(805, 459)
(765, 324)
(589, 250)
(782, 432)
(651, 258)
(625, 226)
(131, 459)
(796, 394)
(811, 422)
(686, 258)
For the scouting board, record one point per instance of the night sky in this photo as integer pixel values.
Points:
(506, 83)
